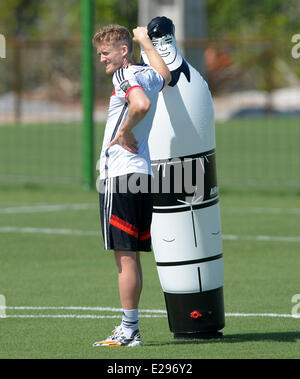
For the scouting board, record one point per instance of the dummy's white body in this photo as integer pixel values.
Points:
(186, 234)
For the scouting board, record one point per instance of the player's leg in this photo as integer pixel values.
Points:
(127, 232)
(130, 287)
(139, 267)
(129, 278)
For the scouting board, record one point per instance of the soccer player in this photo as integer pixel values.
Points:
(125, 167)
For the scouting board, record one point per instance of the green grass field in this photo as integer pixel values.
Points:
(60, 262)
(54, 271)
(256, 152)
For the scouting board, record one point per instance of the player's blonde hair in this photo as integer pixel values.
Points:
(114, 33)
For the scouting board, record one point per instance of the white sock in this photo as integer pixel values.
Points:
(130, 321)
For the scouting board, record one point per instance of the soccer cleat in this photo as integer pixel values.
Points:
(118, 339)
(109, 338)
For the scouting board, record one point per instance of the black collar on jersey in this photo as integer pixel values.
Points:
(184, 67)
(176, 73)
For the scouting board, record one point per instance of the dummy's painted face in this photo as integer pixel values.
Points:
(167, 48)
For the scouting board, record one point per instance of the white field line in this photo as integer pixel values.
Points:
(52, 231)
(281, 315)
(143, 313)
(15, 229)
(47, 208)
(273, 211)
(101, 309)
(82, 206)
(274, 315)
(78, 316)
(233, 237)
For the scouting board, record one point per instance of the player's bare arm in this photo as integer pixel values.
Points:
(140, 35)
(139, 106)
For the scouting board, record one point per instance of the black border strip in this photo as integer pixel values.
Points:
(198, 155)
(119, 121)
(183, 263)
(113, 136)
(185, 209)
(199, 277)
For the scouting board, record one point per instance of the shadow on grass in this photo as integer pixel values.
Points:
(238, 338)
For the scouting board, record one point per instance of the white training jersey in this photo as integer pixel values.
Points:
(116, 161)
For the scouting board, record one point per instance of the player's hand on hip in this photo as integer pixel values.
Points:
(126, 140)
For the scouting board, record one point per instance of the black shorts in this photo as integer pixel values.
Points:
(126, 216)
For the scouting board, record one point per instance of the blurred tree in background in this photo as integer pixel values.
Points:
(267, 25)
(252, 38)
(19, 18)
(56, 19)
(49, 31)
(252, 18)
(226, 18)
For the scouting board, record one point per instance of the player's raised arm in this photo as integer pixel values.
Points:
(140, 35)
